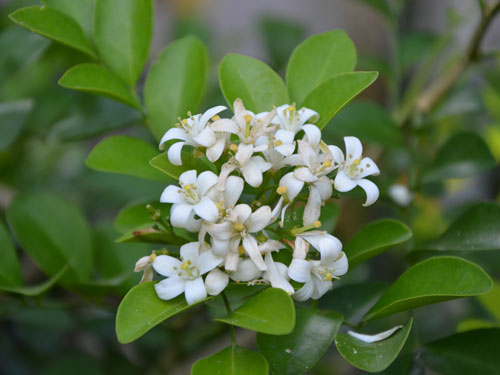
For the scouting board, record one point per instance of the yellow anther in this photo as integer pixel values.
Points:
(261, 238)
(233, 147)
(317, 224)
(188, 187)
(327, 163)
(278, 143)
(152, 257)
(215, 118)
(291, 108)
(329, 276)
(185, 264)
(238, 227)
(282, 190)
(190, 114)
(356, 162)
(218, 205)
(241, 250)
(248, 118)
(184, 122)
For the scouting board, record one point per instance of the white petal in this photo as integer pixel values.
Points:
(216, 281)
(209, 113)
(330, 248)
(301, 248)
(174, 153)
(304, 174)
(374, 338)
(240, 213)
(206, 209)
(353, 149)
(300, 270)
(231, 261)
(195, 291)
(207, 261)
(225, 125)
(285, 136)
(220, 247)
(244, 153)
(246, 271)
(308, 114)
(234, 188)
(206, 138)
(313, 206)
(166, 265)
(309, 156)
(343, 183)
(275, 214)
(341, 265)
(214, 152)
(170, 288)
(190, 251)
(275, 277)
(369, 168)
(304, 293)
(193, 225)
(252, 174)
(313, 134)
(261, 163)
(179, 214)
(324, 185)
(188, 177)
(221, 231)
(320, 288)
(370, 189)
(259, 219)
(293, 185)
(285, 150)
(171, 194)
(205, 181)
(338, 155)
(252, 248)
(173, 133)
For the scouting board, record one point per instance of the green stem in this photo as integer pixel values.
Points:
(229, 311)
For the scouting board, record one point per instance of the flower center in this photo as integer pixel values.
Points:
(323, 273)
(189, 271)
(190, 193)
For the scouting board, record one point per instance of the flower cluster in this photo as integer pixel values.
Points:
(271, 166)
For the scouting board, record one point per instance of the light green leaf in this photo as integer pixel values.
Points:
(476, 229)
(122, 34)
(54, 25)
(135, 214)
(271, 312)
(374, 239)
(97, 80)
(430, 281)
(141, 310)
(376, 356)
(10, 271)
(299, 351)
(82, 11)
(471, 352)
(12, 118)
(175, 83)
(474, 323)
(463, 155)
(35, 290)
(318, 59)
(332, 95)
(125, 155)
(189, 162)
(256, 84)
(234, 360)
(491, 301)
(53, 232)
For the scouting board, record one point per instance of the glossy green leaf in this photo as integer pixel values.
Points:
(474, 323)
(271, 312)
(237, 294)
(476, 229)
(299, 351)
(53, 232)
(471, 352)
(175, 83)
(332, 95)
(374, 239)
(141, 310)
(12, 119)
(135, 214)
(125, 155)
(122, 34)
(96, 79)
(189, 161)
(10, 271)
(54, 25)
(433, 280)
(318, 59)
(234, 360)
(256, 84)
(491, 301)
(82, 11)
(376, 356)
(36, 290)
(367, 121)
(463, 155)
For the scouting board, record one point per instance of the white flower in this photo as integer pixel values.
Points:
(400, 194)
(328, 246)
(246, 271)
(185, 275)
(192, 197)
(291, 119)
(145, 264)
(277, 272)
(195, 131)
(374, 338)
(353, 170)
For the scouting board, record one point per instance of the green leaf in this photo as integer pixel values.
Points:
(12, 119)
(53, 232)
(433, 280)
(476, 229)
(271, 311)
(491, 301)
(368, 121)
(376, 356)
(10, 271)
(122, 34)
(125, 155)
(299, 351)
(474, 323)
(374, 239)
(256, 84)
(189, 161)
(234, 360)
(471, 352)
(97, 80)
(54, 25)
(35, 290)
(135, 214)
(82, 11)
(332, 95)
(463, 155)
(175, 83)
(141, 310)
(318, 59)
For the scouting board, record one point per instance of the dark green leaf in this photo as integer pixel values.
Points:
(332, 95)
(299, 351)
(12, 118)
(234, 360)
(433, 280)
(125, 155)
(82, 11)
(122, 34)
(175, 83)
(10, 272)
(471, 352)
(374, 239)
(271, 311)
(35, 290)
(463, 155)
(318, 59)
(256, 84)
(95, 79)
(376, 356)
(135, 214)
(54, 25)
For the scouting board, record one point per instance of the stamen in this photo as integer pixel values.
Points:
(184, 122)
(238, 227)
(291, 108)
(329, 276)
(278, 143)
(233, 147)
(185, 265)
(356, 162)
(152, 257)
(317, 224)
(248, 118)
(327, 163)
(282, 190)
(188, 187)
(241, 250)
(215, 118)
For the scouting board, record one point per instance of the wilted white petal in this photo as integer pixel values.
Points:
(370, 189)
(173, 133)
(195, 291)
(206, 209)
(170, 287)
(300, 270)
(207, 261)
(275, 277)
(171, 194)
(313, 206)
(231, 261)
(179, 214)
(174, 153)
(374, 338)
(214, 152)
(301, 248)
(252, 249)
(353, 148)
(313, 134)
(252, 174)
(166, 265)
(216, 281)
(234, 188)
(246, 271)
(259, 219)
(343, 183)
(304, 293)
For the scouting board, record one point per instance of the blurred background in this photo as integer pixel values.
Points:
(46, 133)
